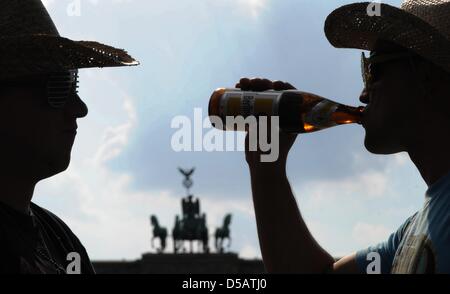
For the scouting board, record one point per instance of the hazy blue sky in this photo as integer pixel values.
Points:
(124, 169)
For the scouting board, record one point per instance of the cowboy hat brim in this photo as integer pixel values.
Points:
(350, 26)
(32, 54)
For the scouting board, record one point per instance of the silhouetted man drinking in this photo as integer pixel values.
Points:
(407, 92)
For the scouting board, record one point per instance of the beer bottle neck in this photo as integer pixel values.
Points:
(345, 114)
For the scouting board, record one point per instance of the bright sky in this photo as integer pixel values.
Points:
(123, 168)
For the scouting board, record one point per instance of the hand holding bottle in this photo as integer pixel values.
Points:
(286, 140)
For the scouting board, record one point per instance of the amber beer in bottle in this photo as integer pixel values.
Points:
(298, 112)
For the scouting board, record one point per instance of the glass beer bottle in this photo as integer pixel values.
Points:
(298, 112)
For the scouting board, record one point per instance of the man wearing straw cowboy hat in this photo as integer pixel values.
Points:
(39, 108)
(407, 92)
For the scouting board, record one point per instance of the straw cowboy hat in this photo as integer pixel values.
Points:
(422, 26)
(30, 44)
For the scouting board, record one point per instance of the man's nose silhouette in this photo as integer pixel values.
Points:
(364, 97)
(75, 107)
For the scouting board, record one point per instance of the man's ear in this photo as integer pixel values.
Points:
(437, 86)
(432, 74)
(431, 77)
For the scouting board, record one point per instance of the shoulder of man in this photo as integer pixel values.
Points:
(64, 235)
(386, 250)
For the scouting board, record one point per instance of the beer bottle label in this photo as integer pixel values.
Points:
(240, 103)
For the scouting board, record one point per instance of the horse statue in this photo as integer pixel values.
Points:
(191, 230)
(158, 232)
(202, 233)
(176, 235)
(190, 227)
(223, 233)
